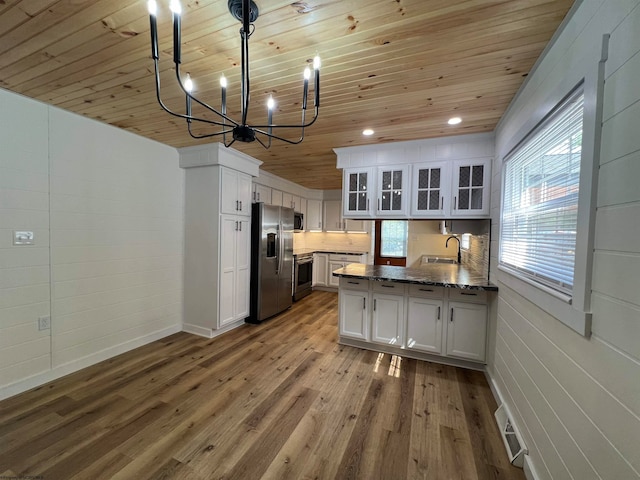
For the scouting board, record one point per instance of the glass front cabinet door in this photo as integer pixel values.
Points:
(392, 200)
(471, 188)
(429, 192)
(356, 201)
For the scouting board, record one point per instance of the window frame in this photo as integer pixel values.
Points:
(556, 287)
(573, 311)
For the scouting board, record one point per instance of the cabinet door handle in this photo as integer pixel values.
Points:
(367, 204)
(254, 196)
(426, 289)
(374, 304)
(378, 204)
(240, 205)
(455, 203)
(451, 317)
(240, 225)
(236, 226)
(364, 303)
(387, 286)
(441, 203)
(469, 294)
(438, 313)
(354, 283)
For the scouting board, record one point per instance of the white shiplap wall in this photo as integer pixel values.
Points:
(112, 204)
(116, 239)
(576, 399)
(24, 270)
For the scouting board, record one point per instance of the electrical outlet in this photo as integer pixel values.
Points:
(44, 323)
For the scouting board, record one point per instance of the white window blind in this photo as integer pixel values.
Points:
(540, 199)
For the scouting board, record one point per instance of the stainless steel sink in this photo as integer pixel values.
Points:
(426, 260)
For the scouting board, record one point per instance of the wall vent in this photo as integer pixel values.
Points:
(510, 436)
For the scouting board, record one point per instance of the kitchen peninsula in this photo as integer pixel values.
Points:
(436, 312)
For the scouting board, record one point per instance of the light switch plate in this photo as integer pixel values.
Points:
(21, 237)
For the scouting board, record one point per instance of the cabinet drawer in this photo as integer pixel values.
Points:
(426, 291)
(354, 283)
(393, 288)
(464, 295)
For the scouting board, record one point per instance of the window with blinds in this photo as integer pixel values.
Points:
(540, 199)
(394, 238)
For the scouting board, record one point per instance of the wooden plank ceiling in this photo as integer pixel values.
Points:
(401, 67)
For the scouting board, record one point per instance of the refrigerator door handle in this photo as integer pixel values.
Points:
(279, 250)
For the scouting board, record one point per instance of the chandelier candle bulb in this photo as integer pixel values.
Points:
(223, 86)
(305, 89)
(270, 105)
(153, 8)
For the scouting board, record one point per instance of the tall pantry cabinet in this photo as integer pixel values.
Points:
(217, 237)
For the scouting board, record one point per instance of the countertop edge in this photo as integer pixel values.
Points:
(489, 287)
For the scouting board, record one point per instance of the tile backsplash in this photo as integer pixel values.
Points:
(356, 242)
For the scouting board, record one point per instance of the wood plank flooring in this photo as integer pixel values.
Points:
(280, 400)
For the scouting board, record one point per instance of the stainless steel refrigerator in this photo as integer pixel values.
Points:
(271, 261)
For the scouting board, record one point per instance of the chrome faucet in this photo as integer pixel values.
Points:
(446, 244)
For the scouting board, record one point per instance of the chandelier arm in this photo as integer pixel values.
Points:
(304, 125)
(193, 135)
(265, 145)
(205, 105)
(171, 112)
(277, 137)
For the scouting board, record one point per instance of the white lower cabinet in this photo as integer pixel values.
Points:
(320, 269)
(234, 269)
(467, 330)
(354, 313)
(424, 325)
(419, 318)
(387, 319)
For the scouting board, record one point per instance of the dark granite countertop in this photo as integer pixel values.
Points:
(444, 275)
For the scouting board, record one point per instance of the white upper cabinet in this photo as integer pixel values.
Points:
(356, 188)
(430, 189)
(392, 199)
(235, 192)
(313, 217)
(471, 188)
(433, 178)
(261, 193)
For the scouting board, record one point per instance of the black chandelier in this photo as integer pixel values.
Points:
(247, 12)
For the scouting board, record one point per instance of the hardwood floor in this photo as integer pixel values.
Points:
(280, 400)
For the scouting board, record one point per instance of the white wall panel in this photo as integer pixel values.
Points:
(582, 394)
(116, 200)
(24, 270)
(106, 208)
(618, 181)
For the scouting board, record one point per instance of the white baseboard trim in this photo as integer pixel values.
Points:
(529, 469)
(197, 330)
(208, 332)
(84, 362)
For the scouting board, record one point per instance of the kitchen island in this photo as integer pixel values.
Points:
(436, 312)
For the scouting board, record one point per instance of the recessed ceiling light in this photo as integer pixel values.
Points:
(367, 131)
(454, 121)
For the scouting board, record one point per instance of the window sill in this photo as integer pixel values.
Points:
(549, 300)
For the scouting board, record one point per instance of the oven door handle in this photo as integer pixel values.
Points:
(303, 262)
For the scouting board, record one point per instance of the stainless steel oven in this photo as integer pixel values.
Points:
(303, 274)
